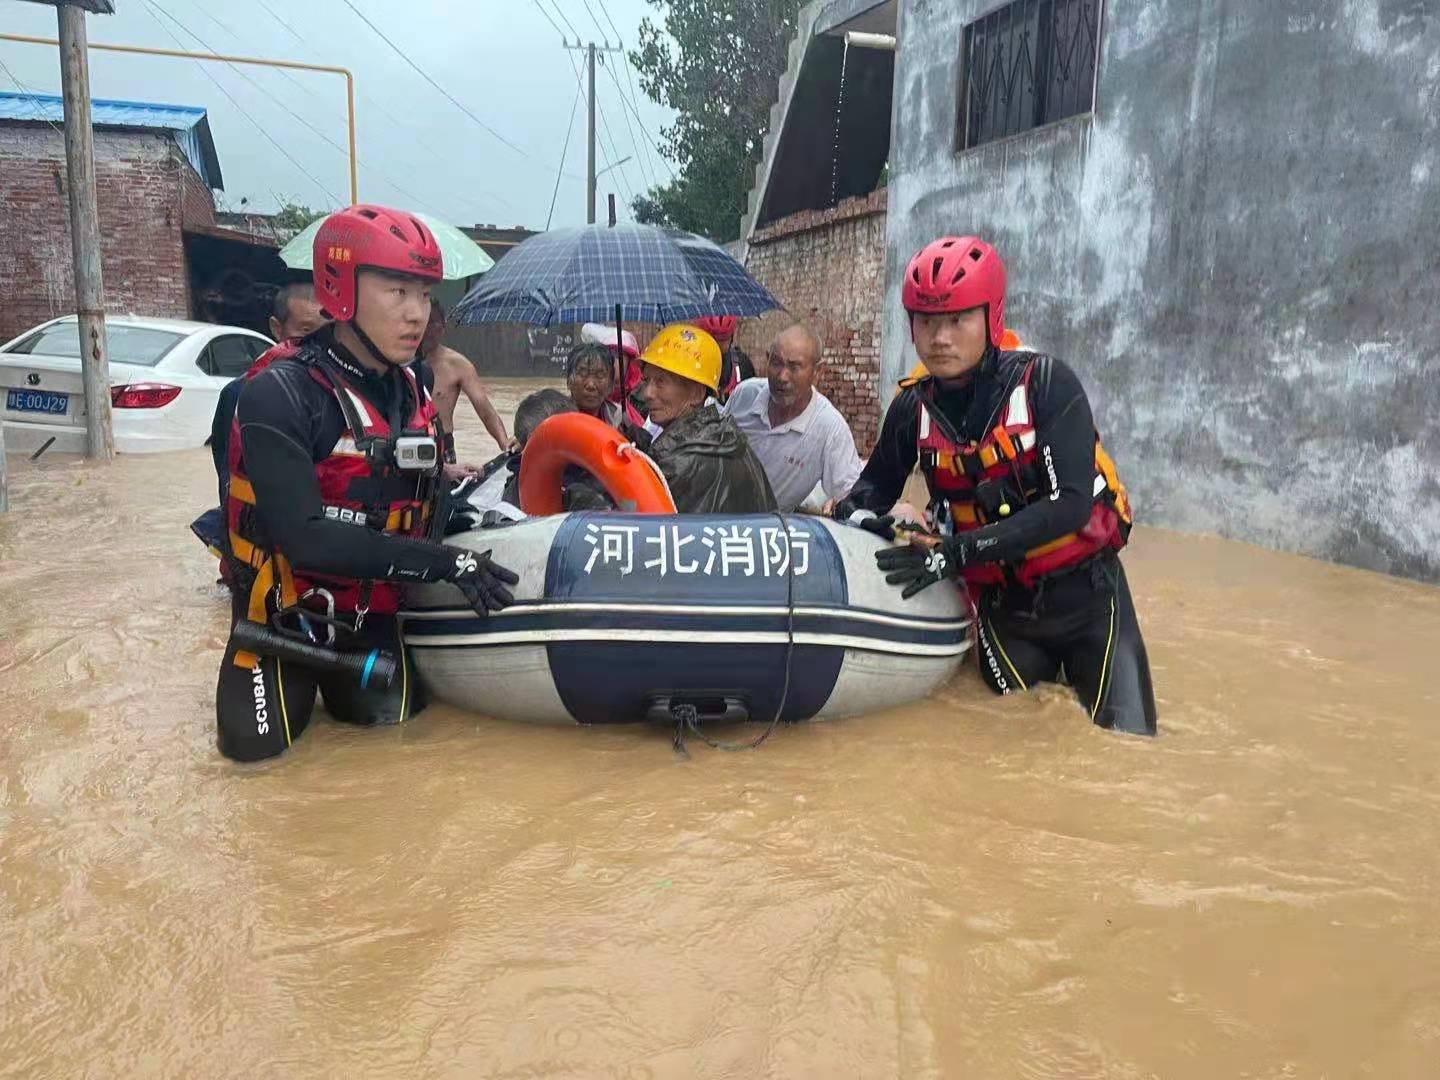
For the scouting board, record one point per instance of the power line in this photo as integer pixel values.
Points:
(312, 128)
(633, 101)
(564, 151)
(564, 18)
(606, 12)
(335, 201)
(282, 105)
(603, 32)
(641, 121)
(426, 76)
(548, 17)
(603, 130)
(386, 178)
(614, 153)
(32, 92)
(276, 16)
(634, 142)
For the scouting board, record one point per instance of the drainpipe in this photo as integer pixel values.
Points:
(857, 40)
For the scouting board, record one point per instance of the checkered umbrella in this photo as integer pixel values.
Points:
(583, 274)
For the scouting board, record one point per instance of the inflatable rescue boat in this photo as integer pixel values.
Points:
(627, 616)
(620, 617)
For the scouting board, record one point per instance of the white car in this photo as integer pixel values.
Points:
(165, 377)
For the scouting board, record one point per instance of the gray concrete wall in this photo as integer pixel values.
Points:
(1239, 253)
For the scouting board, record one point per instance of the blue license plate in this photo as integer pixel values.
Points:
(41, 401)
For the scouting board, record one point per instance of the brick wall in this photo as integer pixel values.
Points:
(827, 267)
(145, 188)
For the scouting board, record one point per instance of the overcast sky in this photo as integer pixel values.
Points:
(500, 59)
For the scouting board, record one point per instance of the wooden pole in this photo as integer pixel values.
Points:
(590, 142)
(85, 232)
(4, 490)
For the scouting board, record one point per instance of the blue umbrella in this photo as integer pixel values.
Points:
(597, 273)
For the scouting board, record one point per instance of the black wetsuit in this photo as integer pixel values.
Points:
(737, 360)
(288, 423)
(1081, 619)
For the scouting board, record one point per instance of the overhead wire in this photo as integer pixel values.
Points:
(373, 104)
(334, 199)
(391, 181)
(30, 91)
(548, 18)
(633, 102)
(564, 18)
(427, 77)
(603, 32)
(643, 156)
(564, 151)
(603, 132)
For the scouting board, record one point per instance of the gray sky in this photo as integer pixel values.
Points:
(501, 59)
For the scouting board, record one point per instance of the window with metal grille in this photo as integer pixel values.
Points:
(1026, 64)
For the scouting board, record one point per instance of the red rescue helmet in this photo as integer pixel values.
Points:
(718, 326)
(368, 238)
(956, 273)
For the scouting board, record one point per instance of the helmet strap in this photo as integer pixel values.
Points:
(371, 347)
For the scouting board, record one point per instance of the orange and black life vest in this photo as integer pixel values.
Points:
(1005, 466)
(353, 488)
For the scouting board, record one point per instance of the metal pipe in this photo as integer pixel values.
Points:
(146, 50)
(860, 40)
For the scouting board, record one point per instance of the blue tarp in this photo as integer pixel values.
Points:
(188, 124)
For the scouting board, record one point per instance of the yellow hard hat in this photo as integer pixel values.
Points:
(687, 351)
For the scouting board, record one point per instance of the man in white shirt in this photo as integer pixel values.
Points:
(800, 438)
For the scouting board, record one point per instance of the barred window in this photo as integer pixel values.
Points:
(1029, 63)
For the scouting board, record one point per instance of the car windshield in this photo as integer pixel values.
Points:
(125, 344)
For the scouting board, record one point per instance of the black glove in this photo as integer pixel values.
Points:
(918, 567)
(481, 581)
(881, 526)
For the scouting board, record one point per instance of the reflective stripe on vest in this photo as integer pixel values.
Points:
(337, 474)
(1007, 454)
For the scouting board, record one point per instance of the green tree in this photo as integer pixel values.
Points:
(293, 217)
(717, 63)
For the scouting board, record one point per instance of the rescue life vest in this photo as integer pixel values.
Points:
(622, 394)
(728, 380)
(353, 489)
(980, 483)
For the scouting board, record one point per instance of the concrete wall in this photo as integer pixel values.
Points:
(145, 187)
(1240, 254)
(825, 267)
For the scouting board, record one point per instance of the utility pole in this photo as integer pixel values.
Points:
(592, 52)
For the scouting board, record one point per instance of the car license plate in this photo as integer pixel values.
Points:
(41, 401)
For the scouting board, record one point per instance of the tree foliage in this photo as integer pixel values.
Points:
(294, 217)
(717, 63)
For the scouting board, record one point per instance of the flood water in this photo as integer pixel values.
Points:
(971, 887)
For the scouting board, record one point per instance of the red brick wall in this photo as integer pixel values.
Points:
(144, 189)
(827, 268)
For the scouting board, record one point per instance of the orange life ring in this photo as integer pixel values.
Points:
(631, 479)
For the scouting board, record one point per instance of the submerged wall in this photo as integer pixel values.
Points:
(1239, 253)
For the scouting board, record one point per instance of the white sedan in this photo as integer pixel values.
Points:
(165, 377)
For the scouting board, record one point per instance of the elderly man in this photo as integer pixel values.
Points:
(705, 458)
(800, 438)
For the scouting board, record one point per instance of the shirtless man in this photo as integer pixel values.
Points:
(453, 374)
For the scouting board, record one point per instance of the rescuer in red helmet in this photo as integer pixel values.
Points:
(334, 462)
(1026, 505)
(735, 364)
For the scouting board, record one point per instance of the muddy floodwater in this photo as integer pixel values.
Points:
(970, 887)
